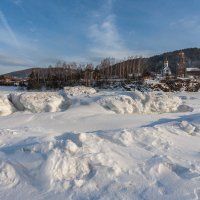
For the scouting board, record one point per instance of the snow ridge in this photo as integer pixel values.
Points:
(121, 103)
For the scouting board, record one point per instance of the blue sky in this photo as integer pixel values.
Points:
(41, 32)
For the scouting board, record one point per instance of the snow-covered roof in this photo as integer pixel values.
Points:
(192, 69)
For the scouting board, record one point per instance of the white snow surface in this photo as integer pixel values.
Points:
(6, 108)
(117, 102)
(148, 150)
(79, 90)
(37, 102)
(141, 103)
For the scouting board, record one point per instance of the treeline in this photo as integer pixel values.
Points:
(58, 76)
(71, 74)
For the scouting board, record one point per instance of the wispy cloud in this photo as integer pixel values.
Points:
(12, 61)
(18, 50)
(188, 23)
(106, 38)
(10, 38)
(8, 29)
(17, 2)
(105, 34)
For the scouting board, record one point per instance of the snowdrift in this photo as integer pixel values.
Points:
(79, 90)
(117, 101)
(119, 104)
(6, 108)
(61, 163)
(144, 103)
(37, 102)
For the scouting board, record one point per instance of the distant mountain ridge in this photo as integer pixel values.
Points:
(154, 63)
(21, 73)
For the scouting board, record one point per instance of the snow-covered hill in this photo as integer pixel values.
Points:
(82, 144)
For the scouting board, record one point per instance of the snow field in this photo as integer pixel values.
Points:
(151, 162)
(89, 152)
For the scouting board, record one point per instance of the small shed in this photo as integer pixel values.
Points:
(194, 72)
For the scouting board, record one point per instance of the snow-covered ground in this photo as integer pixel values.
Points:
(82, 144)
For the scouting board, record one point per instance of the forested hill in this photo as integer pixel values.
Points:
(192, 55)
(21, 73)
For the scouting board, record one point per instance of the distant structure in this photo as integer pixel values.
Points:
(166, 71)
(181, 68)
(193, 72)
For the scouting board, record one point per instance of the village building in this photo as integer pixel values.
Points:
(166, 71)
(181, 65)
(6, 80)
(193, 72)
